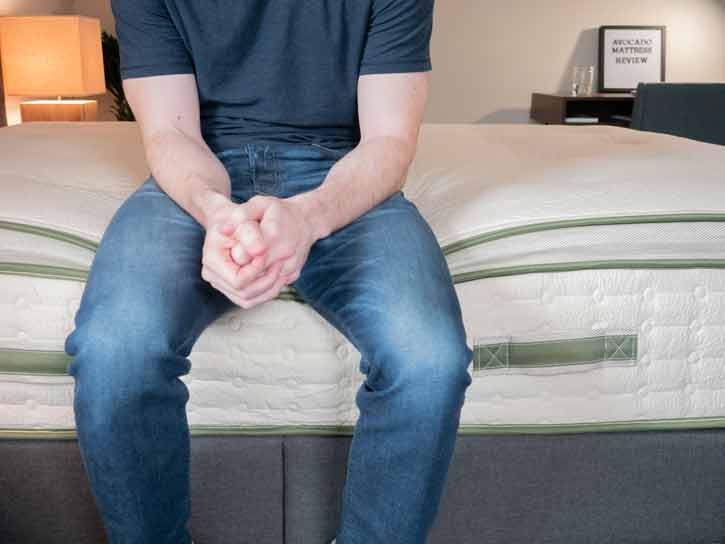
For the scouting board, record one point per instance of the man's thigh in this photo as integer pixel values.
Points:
(383, 281)
(146, 274)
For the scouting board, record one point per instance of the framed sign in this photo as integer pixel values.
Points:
(629, 55)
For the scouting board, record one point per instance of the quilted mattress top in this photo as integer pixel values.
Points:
(466, 179)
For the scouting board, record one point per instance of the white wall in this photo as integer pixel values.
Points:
(96, 8)
(34, 7)
(490, 55)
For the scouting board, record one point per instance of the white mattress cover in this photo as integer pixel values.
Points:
(467, 180)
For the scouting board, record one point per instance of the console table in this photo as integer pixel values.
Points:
(561, 109)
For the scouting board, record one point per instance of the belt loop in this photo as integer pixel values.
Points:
(268, 157)
(252, 161)
(274, 165)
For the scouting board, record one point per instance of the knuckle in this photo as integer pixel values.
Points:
(273, 230)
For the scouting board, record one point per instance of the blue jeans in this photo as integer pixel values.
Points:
(381, 280)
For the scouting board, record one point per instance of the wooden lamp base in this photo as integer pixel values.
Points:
(58, 110)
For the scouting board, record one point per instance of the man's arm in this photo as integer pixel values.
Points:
(167, 110)
(391, 108)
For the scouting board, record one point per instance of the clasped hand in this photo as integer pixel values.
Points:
(252, 250)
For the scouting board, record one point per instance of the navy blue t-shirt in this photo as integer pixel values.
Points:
(274, 70)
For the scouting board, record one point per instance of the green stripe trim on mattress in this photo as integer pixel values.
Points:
(507, 271)
(583, 222)
(51, 233)
(44, 271)
(78, 274)
(559, 352)
(570, 351)
(81, 274)
(683, 424)
(34, 362)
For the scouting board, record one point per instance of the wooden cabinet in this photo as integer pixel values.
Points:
(561, 109)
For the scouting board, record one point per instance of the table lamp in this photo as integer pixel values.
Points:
(52, 56)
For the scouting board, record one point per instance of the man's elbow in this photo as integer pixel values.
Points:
(407, 147)
(403, 146)
(158, 144)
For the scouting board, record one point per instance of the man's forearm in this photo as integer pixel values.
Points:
(366, 176)
(188, 172)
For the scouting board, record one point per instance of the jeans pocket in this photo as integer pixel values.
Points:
(330, 152)
(231, 152)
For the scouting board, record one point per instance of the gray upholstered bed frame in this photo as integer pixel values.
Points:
(619, 487)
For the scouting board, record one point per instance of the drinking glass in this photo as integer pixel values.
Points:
(582, 81)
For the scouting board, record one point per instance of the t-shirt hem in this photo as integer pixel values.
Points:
(395, 67)
(145, 71)
(222, 142)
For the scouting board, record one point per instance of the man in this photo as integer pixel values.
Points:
(278, 134)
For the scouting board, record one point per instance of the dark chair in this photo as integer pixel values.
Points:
(691, 110)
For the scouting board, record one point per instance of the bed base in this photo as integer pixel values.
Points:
(624, 487)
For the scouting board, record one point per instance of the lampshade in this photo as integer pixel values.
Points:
(52, 55)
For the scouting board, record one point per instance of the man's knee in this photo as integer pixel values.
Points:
(119, 364)
(434, 356)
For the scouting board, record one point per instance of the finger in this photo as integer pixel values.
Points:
(216, 257)
(251, 210)
(226, 228)
(233, 295)
(264, 297)
(235, 282)
(290, 265)
(291, 278)
(296, 262)
(263, 283)
(222, 233)
(260, 285)
(250, 235)
(240, 255)
(249, 272)
(283, 242)
(215, 280)
(257, 206)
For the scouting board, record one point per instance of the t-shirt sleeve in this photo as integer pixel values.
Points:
(149, 42)
(398, 37)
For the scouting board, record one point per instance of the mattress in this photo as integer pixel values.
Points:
(589, 262)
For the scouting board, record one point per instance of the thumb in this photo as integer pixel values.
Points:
(251, 210)
(254, 208)
(227, 229)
